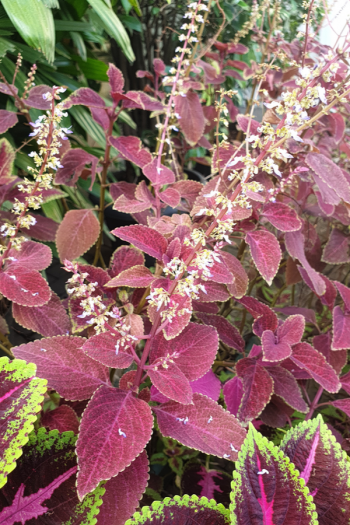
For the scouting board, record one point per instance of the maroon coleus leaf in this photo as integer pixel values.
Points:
(330, 173)
(281, 216)
(191, 116)
(74, 162)
(8, 89)
(35, 97)
(208, 385)
(286, 387)
(341, 329)
(115, 428)
(181, 305)
(266, 487)
(126, 201)
(308, 314)
(123, 258)
(265, 318)
(106, 349)
(295, 246)
(219, 272)
(158, 175)
(309, 359)
(170, 381)
(336, 250)
(139, 99)
(135, 277)
(144, 238)
(277, 347)
(7, 157)
(266, 253)
(62, 362)
(116, 79)
(47, 457)
(257, 389)
(21, 394)
(343, 405)
(247, 123)
(48, 320)
(193, 351)
(23, 286)
(101, 117)
(227, 333)
(344, 292)
(78, 231)
(345, 382)
(338, 359)
(189, 190)
(277, 413)
(131, 149)
(171, 197)
(44, 229)
(323, 466)
(123, 492)
(292, 330)
(214, 292)
(210, 484)
(32, 255)
(328, 298)
(62, 418)
(204, 425)
(8, 119)
(233, 393)
(240, 278)
(84, 97)
(25, 508)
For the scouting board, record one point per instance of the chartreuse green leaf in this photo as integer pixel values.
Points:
(113, 26)
(267, 488)
(21, 394)
(34, 22)
(191, 510)
(51, 3)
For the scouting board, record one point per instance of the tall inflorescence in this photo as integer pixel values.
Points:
(48, 135)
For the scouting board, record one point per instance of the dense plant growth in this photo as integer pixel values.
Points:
(223, 315)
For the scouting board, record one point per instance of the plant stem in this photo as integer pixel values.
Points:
(314, 403)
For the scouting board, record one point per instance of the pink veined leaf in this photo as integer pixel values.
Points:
(35, 97)
(105, 348)
(123, 492)
(204, 425)
(233, 393)
(323, 465)
(182, 306)
(220, 273)
(140, 100)
(246, 123)
(273, 348)
(171, 197)
(323, 344)
(7, 157)
(189, 190)
(309, 359)
(345, 382)
(23, 286)
(266, 253)
(131, 149)
(344, 293)
(24, 508)
(168, 378)
(330, 173)
(328, 209)
(144, 238)
(193, 351)
(336, 250)
(115, 428)
(207, 308)
(265, 318)
(307, 313)
(48, 320)
(286, 387)
(295, 246)
(257, 389)
(62, 418)
(8, 119)
(266, 487)
(281, 216)
(78, 231)
(214, 292)
(343, 405)
(159, 66)
(158, 176)
(192, 121)
(101, 117)
(277, 413)
(211, 484)
(21, 394)
(341, 329)
(135, 277)
(338, 125)
(116, 79)
(74, 162)
(126, 202)
(62, 362)
(208, 385)
(227, 333)
(44, 229)
(328, 298)
(240, 282)
(32, 255)
(173, 250)
(292, 330)
(8, 89)
(123, 258)
(85, 97)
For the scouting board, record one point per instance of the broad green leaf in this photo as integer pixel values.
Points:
(93, 69)
(21, 394)
(79, 44)
(53, 4)
(131, 22)
(113, 27)
(71, 25)
(135, 4)
(85, 120)
(34, 22)
(5, 46)
(79, 6)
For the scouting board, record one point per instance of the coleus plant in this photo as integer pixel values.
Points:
(168, 326)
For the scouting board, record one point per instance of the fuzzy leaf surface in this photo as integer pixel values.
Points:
(160, 176)
(192, 121)
(286, 387)
(341, 329)
(266, 253)
(125, 257)
(131, 149)
(240, 282)
(135, 277)
(32, 255)
(7, 157)
(171, 381)
(336, 250)
(104, 348)
(228, 333)
(257, 389)
(115, 428)
(144, 238)
(8, 119)
(281, 216)
(330, 173)
(307, 358)
(323, 344)
(62, 418)
(265, 318)
(23, 286)
(78, 231)
(233, 393)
